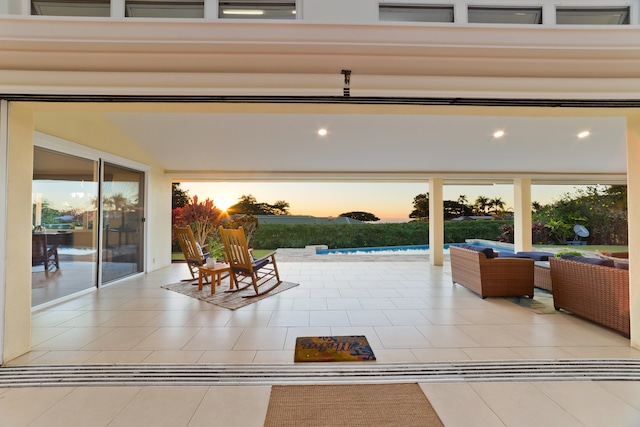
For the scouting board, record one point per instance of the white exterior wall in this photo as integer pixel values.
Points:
(366, 11)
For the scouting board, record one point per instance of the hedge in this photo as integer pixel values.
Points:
(273, 236)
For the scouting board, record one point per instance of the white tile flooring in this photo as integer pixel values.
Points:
(409, 311)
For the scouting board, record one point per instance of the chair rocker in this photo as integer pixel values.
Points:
(193, 253)
(245, 269)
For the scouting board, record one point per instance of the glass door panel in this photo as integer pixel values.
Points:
(64, 239)
(122, 222)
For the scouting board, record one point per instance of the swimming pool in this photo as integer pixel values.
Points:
(408, 249)
(417, 249)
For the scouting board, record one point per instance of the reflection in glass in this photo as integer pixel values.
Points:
(64, 240)
(122, 227)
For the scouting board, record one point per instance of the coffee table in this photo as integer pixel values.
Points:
(216, 273)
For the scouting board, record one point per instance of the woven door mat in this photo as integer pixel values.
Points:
(350, 405)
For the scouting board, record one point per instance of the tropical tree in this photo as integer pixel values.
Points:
(455, 209)
(248, 205)
(420, 207)
(360, 216)
(480, 205)
(179, 197)
(203, 217)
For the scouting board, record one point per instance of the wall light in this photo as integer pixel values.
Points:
(498, 134)
(584, 134)
(322, 132)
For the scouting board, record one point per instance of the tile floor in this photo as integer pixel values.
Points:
(409, 311)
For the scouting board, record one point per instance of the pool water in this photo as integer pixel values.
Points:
(408, 249)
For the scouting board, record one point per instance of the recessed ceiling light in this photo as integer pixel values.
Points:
(498, 134)
(242, 12)
(584, 134)
(322, 132)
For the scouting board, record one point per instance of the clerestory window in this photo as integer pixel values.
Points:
(415, 13)
(592, 16)
(98, 8)
(164, 9)
(504, 15)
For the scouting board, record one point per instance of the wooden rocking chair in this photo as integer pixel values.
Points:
(194, 254)
(247, 270)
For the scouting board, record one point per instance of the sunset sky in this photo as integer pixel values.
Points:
(391, 202)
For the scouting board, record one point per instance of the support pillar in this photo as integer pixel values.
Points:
(633, 209)
(436, 221)
(16, 287)
(522, 214)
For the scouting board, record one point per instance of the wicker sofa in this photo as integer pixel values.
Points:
(477, 270)
(595, 292)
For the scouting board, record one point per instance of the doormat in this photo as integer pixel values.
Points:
(230, 300)
(354, 348)
(542, 302)
(352, 405)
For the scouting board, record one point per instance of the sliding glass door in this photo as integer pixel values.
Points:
(122, 222)
(88, 223)
(64, 238)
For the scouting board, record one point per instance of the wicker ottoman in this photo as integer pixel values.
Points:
(542, 276)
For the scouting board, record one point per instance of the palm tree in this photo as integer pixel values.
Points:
(481, 204)
(497, 204)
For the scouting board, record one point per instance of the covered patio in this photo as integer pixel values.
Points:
(413, 316)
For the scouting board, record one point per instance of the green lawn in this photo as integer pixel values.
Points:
(589, 248)
(177, 256)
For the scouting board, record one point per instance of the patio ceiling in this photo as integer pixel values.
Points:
(364, 143)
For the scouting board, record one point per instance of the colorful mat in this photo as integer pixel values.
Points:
(354, 348)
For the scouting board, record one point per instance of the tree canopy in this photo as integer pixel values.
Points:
(248, 205)
(420, 207)
(360, 216)
(179, 197)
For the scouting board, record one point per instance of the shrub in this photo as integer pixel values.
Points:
(272, 236)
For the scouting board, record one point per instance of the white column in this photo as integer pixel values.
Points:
(436, 221)
(117, 8)
(549, 14)
(522, 214)
(4, 120)
(210, 9)
(16, 339)
(633, 208)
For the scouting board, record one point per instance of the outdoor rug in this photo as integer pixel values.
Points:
(542, 302)
(230, 300)
(350, 405)
(354, 348)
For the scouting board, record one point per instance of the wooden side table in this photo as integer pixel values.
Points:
(216, 273)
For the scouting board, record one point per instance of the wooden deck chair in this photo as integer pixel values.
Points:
(247, 270)
(194, 254)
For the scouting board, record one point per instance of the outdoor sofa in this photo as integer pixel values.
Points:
(592, 288)
(477, 269)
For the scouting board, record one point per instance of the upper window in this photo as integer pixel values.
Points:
(164, 9)
(256, 9)
(100, 8)
(592, 16)
(416, 13)
(505, 15)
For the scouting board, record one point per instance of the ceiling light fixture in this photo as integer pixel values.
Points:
(498, 134)
(242, 12)
(322, 132)
(584, 134)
